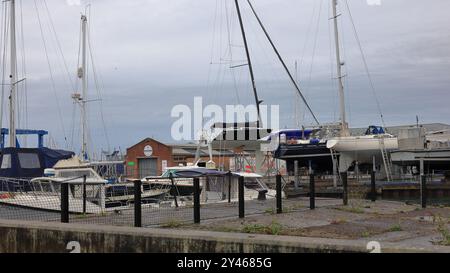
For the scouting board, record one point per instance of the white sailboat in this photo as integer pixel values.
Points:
(362, 148)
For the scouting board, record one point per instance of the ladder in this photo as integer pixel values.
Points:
(336, 173)
(386, 159)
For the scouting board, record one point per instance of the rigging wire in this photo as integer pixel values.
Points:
(24, 93)
(345, 75)
(282, 62)
(74, 118)
(332, 64)
(313, 55)
(51, 73)
(230, 46)
(4, 35)
(366, 67)
(58, 43)
(98, 87)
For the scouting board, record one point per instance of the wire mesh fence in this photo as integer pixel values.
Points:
(169, 201)
(22, 199)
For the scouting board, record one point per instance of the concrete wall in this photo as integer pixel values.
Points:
(37, 237)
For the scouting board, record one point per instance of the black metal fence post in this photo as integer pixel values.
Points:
(345, 188)
(423, 190)
(241, 197)
(312, 191)
(174, 189)
(196, 201)
(423, 184)
(278, 196)
(229, 186)
(64, 203)
(84, 194)
(373, 191)
(137, 203)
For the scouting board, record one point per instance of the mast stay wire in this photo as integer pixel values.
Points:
(283, 63)
(332, 64)
(58, 43)
(98, 85)
(230, 46)
(24, 93)
(346, 76)
(4, 35)
(51, 73)
(366, 67)
(313, 55)
(74, 118)
(302, 58)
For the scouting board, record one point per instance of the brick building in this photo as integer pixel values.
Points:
(150, 157)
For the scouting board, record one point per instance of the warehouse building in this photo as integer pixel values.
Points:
(150, 157)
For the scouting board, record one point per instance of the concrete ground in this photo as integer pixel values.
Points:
(397, 223)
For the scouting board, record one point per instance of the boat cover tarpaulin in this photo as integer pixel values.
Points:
(201, 172)
(29, 162)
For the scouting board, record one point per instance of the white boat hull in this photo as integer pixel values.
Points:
(361, 149)
(49, 203)
(361, 143)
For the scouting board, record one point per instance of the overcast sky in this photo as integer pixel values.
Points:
(151, 55)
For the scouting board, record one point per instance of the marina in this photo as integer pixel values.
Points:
(267, 149)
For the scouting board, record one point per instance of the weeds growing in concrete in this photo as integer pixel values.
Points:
(172, 224)
(269, 211)
(395, 227)
(338, 221)
(273, 229)
(352, 209)
(443, 230)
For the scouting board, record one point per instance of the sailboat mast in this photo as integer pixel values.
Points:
(13, 77)
(344, 125)
(83, 74)
(252, 76)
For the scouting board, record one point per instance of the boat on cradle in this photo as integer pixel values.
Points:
(20, 163)
(214, 188)
(338, 150)
(362, 149)
(308, 147)
(217, 187)
(45, 192)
